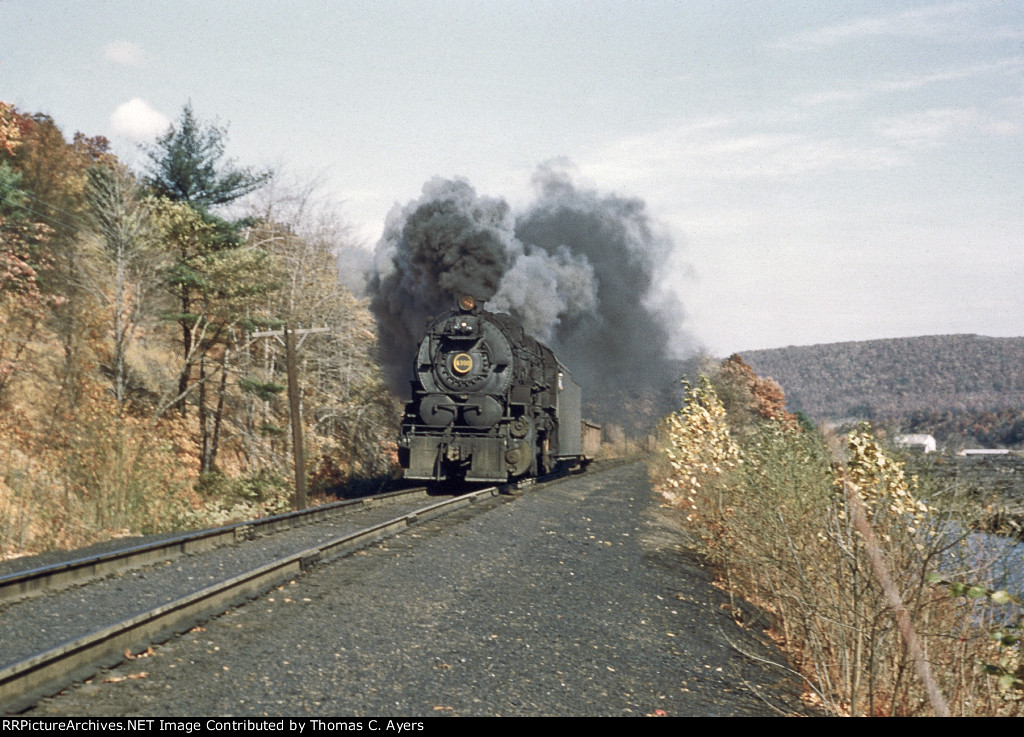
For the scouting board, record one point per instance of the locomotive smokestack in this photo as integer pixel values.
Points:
(447, 244)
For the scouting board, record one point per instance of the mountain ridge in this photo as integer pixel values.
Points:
(895, 377)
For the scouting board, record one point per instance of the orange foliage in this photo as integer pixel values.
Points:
(90, 472)
(767, 398)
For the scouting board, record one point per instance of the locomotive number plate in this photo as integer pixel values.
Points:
(462, 363)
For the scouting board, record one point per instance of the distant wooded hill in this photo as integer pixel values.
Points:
(967, 385)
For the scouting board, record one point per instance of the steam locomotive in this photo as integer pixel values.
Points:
(490, 404)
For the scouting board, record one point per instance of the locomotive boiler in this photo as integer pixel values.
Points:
(489, 403)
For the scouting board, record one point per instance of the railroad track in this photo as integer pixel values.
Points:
(56, 633)
(34, 581)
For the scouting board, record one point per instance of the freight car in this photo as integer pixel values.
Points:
(490, 404)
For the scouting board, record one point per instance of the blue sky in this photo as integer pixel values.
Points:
(828, 170)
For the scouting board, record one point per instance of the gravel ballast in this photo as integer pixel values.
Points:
(576, 599)
(39, 623)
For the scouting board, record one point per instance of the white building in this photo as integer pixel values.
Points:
(923, 443)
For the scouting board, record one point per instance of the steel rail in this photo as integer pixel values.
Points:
(20, 584)
(24, 682)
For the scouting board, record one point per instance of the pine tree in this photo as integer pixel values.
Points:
(187, 165)
(213, 273)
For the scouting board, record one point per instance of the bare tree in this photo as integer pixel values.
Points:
(124, 270)
(349, 414)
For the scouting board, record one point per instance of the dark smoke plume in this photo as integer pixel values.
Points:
(577, 268)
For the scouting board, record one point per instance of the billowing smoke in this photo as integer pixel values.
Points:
(542, 289)
(577, 268)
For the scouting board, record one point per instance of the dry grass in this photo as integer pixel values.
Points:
(89, 478)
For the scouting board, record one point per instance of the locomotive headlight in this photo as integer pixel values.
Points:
(462, 363)
(466, 302)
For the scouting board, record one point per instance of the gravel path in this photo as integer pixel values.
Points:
(577, 599)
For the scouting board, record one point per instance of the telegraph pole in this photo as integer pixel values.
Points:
(294, 409)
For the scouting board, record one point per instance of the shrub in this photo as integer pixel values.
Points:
(773, 512)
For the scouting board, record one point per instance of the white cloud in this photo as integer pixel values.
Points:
(940, 126)
(736, 153)
(123, 52)
(1009, 66)
(137, 120)
(937, 22)
(929, 127)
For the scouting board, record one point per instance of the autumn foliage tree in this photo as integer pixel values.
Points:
(349, 416)
(134, 394)
(842, 548)
(24, 255)
(748, 397)
(73, 468)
